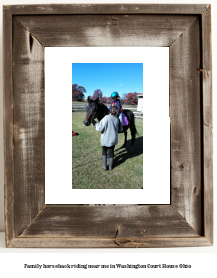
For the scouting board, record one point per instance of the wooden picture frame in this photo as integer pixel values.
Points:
(186, 30)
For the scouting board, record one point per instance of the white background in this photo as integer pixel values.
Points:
(58, 123)
(203, 259)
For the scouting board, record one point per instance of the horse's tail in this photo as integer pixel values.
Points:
(136, 132)
(133, 129)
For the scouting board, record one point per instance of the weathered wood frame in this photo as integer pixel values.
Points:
(188, 220)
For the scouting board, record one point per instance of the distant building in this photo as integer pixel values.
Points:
(140, 102)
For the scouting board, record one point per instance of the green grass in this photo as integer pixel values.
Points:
(87, 172)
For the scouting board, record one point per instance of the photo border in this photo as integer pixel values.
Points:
(188, 221)
(59, 69)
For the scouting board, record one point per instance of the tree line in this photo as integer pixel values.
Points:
(78, 95)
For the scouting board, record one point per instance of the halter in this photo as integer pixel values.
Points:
(93, 116)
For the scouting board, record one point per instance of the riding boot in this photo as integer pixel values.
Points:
(104, 160)
(111, 159)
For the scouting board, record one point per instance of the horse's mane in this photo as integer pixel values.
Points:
(103, 111)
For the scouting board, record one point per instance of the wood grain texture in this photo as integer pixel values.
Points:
(62, 242)
(207, 67)
(107, 30)
(186, 30)
(106, 9)
(8, 125)
(185, 111)
(109, 222)
(207, 122)
(29, 132)
(208, 182)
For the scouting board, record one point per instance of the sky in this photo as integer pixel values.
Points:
(109, 77)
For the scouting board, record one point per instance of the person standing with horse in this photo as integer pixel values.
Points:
(109, 136)
(96, 109)
(116, 102)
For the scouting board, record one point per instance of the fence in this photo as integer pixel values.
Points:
(138, 114)
(78, 107)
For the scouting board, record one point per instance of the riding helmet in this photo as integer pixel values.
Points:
(115, 94)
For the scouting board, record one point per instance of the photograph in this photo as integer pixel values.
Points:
(107, 125)
(142, 118)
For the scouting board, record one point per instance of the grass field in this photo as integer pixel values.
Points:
(87, 172)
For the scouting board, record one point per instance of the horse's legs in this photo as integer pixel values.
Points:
(132, 130)
(125, 138)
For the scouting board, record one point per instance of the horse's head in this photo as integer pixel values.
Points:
(92, 111)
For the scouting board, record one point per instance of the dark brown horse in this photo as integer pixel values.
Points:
(96, 109)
